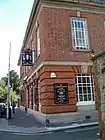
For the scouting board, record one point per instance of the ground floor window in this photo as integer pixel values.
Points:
(84, 88)
(39, 94)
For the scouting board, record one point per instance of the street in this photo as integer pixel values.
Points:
(87, 133)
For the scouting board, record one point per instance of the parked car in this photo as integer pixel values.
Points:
(2, 109)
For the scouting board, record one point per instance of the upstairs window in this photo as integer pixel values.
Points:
(38, 42)
(79, 33)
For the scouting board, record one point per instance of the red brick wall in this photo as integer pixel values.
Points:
(56, 37)
(63, 75)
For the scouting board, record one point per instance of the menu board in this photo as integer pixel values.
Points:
(61, 93)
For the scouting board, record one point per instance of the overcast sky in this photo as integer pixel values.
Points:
(14, 16)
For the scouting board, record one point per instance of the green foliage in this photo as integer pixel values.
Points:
(13, 95)
(3, 89)
(14, 81)
(14, 86)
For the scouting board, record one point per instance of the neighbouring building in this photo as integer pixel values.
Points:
(62, 35)
(99, 72)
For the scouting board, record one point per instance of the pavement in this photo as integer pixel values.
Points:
(22, 122)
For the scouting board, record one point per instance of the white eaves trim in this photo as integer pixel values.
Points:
(58, 63)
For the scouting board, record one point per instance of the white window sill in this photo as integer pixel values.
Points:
(81, 50)
(86, 103)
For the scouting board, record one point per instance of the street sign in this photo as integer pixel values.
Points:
(27, 58)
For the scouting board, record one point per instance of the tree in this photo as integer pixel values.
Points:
(13, 95)
(3, 89)
(14, 81)
(14, 86)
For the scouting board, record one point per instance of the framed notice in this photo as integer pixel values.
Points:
(61, 93)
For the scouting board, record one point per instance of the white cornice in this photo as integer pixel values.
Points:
(58, 63)
(75, 5)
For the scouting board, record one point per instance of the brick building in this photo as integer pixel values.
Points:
(62, 34)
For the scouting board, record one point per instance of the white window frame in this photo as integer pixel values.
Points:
(38, 42)
(90, 84)
(80, 39)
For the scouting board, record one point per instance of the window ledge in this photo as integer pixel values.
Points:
(77, 50)
(85, 103)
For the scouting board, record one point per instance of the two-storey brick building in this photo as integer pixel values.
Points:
(62, 34)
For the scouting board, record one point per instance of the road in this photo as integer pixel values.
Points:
(90, 133)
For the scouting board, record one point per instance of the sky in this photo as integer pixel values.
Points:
(14, 16)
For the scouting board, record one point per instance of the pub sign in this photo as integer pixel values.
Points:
(27, 58)
(61, 93)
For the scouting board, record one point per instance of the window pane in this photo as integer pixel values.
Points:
(73, 35)
(77, 41)
(82, 25)
(83, 42)
(79, 24)
(88, 79)
(91, 79)
(80, 98)
(74, 42)
(89, 89)
(82, 34)
(84, 79)
(92, 88)
(80, 90)
(72, 23)
(38, 42)
(84, 90)
(89, 97)
(76, 24)
(76, 35)
(79, 80)
(93, 97)
(85, 98)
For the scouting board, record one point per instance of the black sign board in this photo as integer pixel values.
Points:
(27, 58)
(61, 93)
